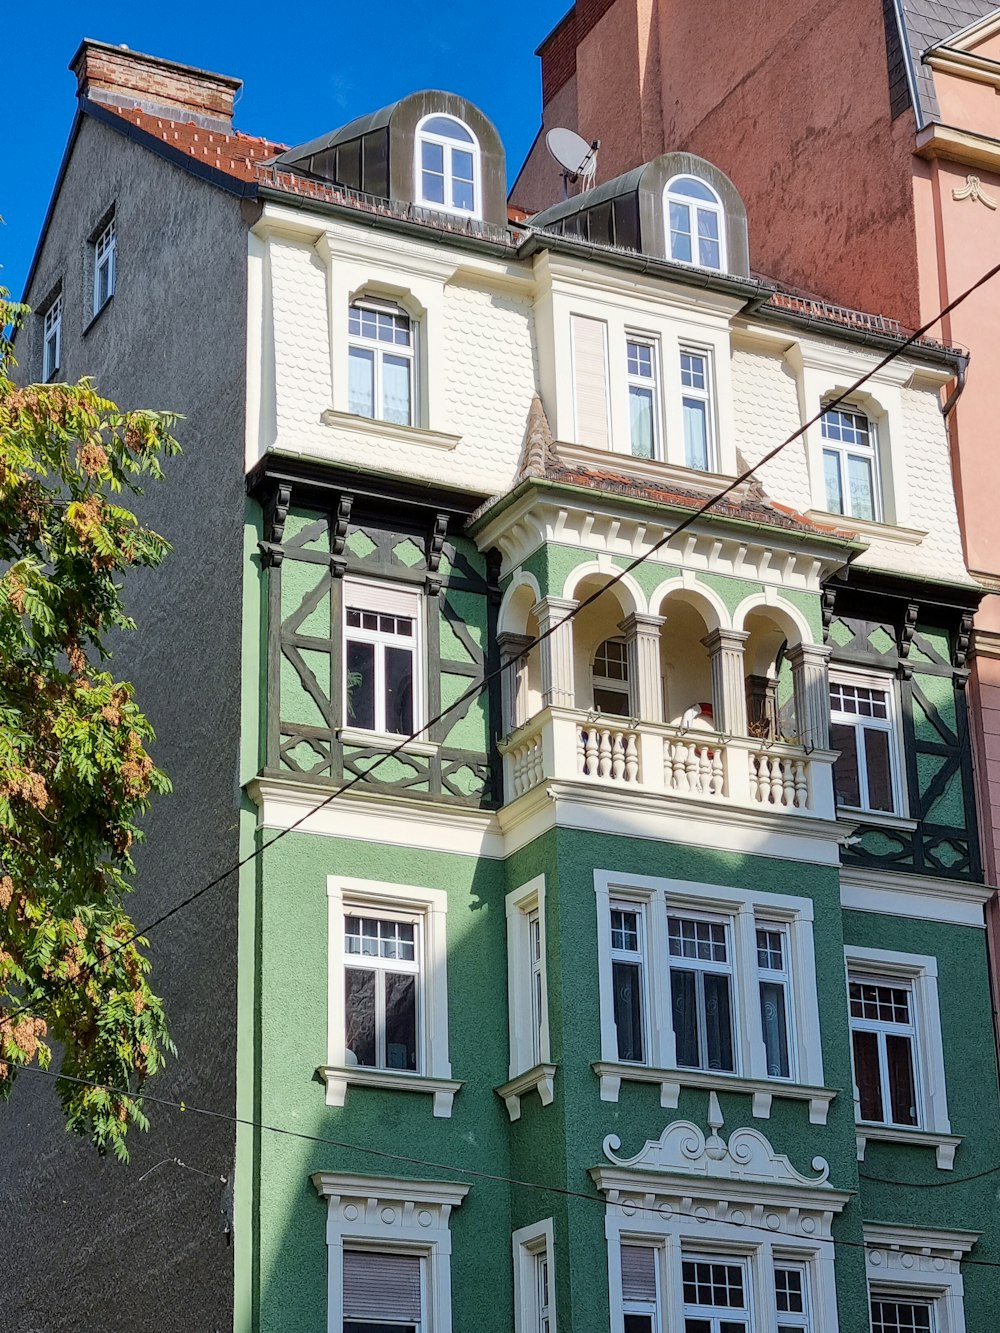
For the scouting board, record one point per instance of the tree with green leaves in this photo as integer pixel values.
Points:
(75, 772)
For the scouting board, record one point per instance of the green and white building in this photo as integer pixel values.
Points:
(645, 990)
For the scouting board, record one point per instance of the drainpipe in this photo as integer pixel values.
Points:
(959, 389)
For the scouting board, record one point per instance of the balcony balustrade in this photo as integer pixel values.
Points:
(570, 745)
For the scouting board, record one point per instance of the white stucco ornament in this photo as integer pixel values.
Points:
(973, 189)
(748, 1156)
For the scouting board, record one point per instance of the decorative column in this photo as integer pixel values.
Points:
(811, 682)
(642, 645)
(729, 699)
(558, 688)
(514, 679)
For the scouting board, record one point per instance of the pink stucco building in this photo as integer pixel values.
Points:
(865, 140)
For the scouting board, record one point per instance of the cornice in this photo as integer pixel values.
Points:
(964, 65)
(919, 1240)
(331, 1184)
(918, 897)
(974, 150)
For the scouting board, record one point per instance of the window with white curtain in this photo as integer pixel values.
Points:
(697, 405)
(382, 658)
(850, 464)
(643, 401)
(380, 360)
(696, 223)
(448, 166)
(864, 728)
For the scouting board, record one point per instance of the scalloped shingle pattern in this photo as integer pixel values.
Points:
(765, 412)
(301, 345)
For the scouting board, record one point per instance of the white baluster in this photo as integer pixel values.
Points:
(716, 781)
(604, 754)
(801, 785)
(631, 758)
(681, 766)
(617, 755)
(592, 751)
(581, 750)
(704, 770)
(776, 784)
(788, 785)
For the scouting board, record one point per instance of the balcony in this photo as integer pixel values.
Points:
(565, 744)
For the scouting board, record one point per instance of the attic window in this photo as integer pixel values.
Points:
(695, 223)
(448, 166)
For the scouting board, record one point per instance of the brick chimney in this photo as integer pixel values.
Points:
(119, 77)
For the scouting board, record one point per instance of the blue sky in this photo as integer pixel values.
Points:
(306, 68)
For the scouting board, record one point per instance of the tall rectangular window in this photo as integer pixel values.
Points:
(52, 340)
(381, 984)
(382, 1292)
(850, 464)
(640, 1289)
(590, 381)
(104, 267)
(883, 1037)
(862, 728)
(774, 981)
(716, 1296)
(380, 362)
(642, 399)
(893, 1314)
(381, 646)
(791, 1297)
(627, 979)
(542, 1293)
(701, 992)
(537, 983)
(696, 405)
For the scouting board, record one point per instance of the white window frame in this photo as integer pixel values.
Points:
(799, 1320)
(720, 1242)
(744, 910)
(380, 349)
(920, 972)
(385, 599)
(711, 1313)
(393, 1216)
(105, 256)
(892, 725)
(379, 967)
(919, 1264)
(695, 205)
(607, 682)
(650, 384)
(707, 395)
(423, 136)
(534, 1245)
(52, 339)
(530, 1066)
(778, 977)
(639, 958)
(703, 967)
(428, 908)
(843, 452)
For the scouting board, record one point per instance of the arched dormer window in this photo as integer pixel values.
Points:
(610, 678)
(696, 221)
(448, 166)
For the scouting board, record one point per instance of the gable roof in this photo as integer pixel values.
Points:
(928, 23)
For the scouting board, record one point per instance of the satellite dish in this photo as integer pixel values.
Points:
(568, 148)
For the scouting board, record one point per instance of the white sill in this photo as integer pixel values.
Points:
(877, 818)
(540, 1079)
(945, 1145)
(337, 1078)
(375, 740)
(347, 423)
(761, 1090)
(864, 527)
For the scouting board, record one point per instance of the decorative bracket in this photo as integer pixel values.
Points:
(963, 642)
(275, 514)
(435, 549)
(828, 600)
(338, 536)
(907, 628)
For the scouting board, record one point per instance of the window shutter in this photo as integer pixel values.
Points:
(590, 370)
(639, 1273)
(381, 1286)
(390, 599)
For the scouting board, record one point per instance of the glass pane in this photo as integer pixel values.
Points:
(461, 165)
(463, 196)
(845, 770)
(732, 1326)
(694, 189)
(861, 485)
(359, 687)
(396, 390)
(708, 225)
(718, 1022)
(359, 1034)
(611, 701)
(834, 486)
(879, 770)
(774, 1022)
(361, 382)
(680, 232)
(697, 1326)
(710, 256)
(626, 983)
(638, 1323)
(353, 1326)
(902, 1093)
(399, 691)
(896, 1316)
(684, 1007)
(866, 1075)
(696, 433)
(447, 128)
(640, 411)
(400, 1020)
(432, 158)
(624, 930)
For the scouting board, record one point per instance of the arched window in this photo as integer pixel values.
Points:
(448, 166)
(850, 464)
(610, 678)
(380, 361)
(696, 223)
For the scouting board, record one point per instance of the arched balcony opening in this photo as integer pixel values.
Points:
(521, 682)
(685, 664)
(603, 681)
(770, 694)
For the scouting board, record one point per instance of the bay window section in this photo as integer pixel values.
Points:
(627, 967)
(883, 1038)
(381, 980)
(380, 362)
(696, 403)
(381, 656)
(642, 399)
(701, 993)
(863, 729)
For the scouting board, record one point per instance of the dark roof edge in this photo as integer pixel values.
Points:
(943, 593)
(319, 478)
(64, 163)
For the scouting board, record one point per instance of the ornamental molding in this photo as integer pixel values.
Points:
(915, 1254)
(973, 189)
(396, 1210)
(748, 1157)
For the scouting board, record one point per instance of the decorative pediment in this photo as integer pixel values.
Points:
(684, 1149)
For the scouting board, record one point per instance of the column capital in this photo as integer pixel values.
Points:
(809, 654)
(720, 639)
(548, 608)
(641, 622)
(512, 644)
